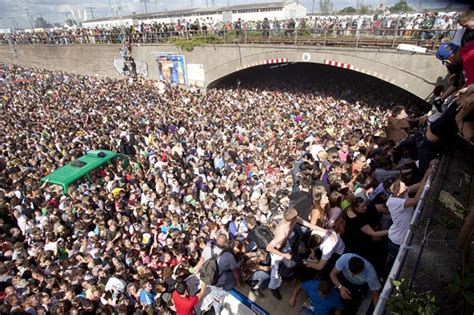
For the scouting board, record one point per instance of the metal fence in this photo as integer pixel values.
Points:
(403, 251)
(384, 38)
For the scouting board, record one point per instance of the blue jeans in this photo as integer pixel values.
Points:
(306, 311)
(392, 254)
(262, 278)
(392, 249)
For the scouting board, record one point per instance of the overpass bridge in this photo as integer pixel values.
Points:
(417, 73)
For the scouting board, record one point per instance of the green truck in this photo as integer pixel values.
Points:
(82, 167)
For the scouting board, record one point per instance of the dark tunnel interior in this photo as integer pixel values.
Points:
(319, 77)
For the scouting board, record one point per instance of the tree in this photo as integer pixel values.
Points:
(365, 10)
(401, 6)
(348, 10)
(325, 6)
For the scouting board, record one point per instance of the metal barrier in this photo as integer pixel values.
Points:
(402, 252)
(384, 38)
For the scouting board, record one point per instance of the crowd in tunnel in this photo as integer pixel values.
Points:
(258, 186)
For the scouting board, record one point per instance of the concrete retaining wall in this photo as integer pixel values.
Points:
(417, 74)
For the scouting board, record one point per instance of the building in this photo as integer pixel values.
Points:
(246, 12)
(109, 23)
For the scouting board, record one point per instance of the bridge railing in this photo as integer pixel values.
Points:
(383, 38)
(403, 251)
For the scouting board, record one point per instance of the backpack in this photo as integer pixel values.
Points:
(263, 236)
(210, 269)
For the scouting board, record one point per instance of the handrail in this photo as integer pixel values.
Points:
(379, 37)
(402, 252)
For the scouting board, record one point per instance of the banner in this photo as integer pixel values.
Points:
(196, 74)
(172, 68)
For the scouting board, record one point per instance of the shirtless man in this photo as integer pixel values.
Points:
(279, 247)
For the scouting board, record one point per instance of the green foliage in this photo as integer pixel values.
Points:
(464, 287)
(401, 6)
(189, 44)
(303, 28)
(361, 9)
(348, 10)
(365, 10)
(406, 301)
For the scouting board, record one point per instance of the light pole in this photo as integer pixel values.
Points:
(91, 9)
(30, 19)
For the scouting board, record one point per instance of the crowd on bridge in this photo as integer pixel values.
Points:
(419, 26)
(312, 185)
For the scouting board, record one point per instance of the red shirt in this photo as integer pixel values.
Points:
(184, 305)
(467, 55)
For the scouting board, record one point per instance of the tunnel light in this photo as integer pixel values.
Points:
(411, 49)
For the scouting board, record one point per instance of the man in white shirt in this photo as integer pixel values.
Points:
(401, 208)
(22, 221)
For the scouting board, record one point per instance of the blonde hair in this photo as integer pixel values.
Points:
(323, 155)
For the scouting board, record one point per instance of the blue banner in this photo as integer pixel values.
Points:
(172, 68)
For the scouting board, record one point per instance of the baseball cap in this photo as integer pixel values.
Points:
(446, 50)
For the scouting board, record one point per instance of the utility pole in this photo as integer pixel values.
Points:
(15, 24)
(119, 9)
(312, 10)
(67, 17)
(110, 5)
(146, 10)
(30, 18)
(92, 11)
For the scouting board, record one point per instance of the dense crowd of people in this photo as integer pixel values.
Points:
(382, 23)
(237, 186)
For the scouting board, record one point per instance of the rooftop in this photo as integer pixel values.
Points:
(267, 5)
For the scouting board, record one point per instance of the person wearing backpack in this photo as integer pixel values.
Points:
(217, 266)
(218, 269)
(260, 234)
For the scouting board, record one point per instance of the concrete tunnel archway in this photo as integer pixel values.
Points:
(417, 74)
(316, 74)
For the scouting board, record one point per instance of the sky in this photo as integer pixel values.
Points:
(15, 11)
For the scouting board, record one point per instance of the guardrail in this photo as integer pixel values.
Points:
(402, 252)
(385, 38)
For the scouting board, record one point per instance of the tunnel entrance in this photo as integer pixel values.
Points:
(316, 77)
